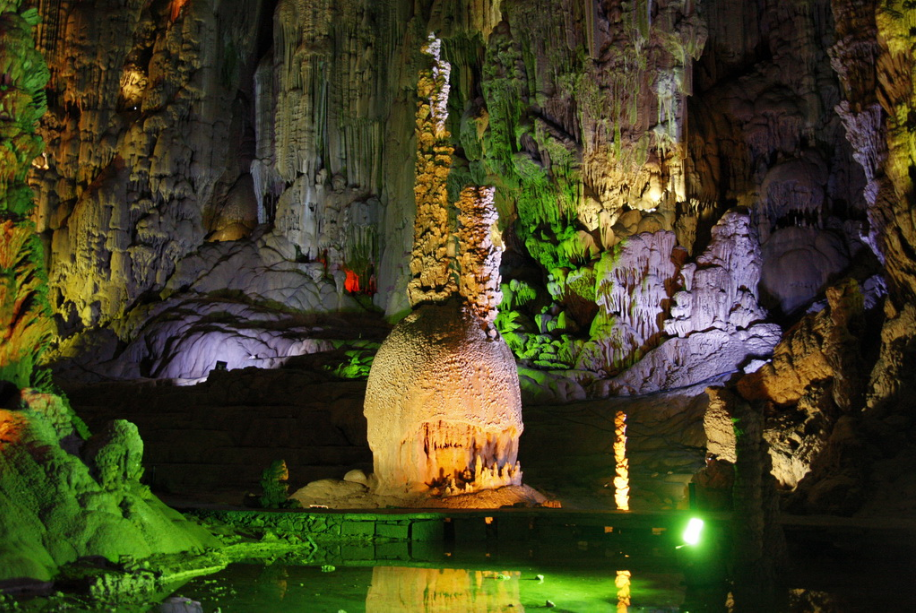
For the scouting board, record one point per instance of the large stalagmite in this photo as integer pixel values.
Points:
(443, 404)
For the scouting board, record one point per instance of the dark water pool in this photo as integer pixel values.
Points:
(494, 587)
(642, 578)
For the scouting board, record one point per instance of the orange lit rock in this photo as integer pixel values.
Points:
(817, 374)
(11, 425)
(818, 348)
(429, 263)
(443, 406)
(480, 254)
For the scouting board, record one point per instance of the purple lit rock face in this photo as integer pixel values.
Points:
(800, 262)
(185, 341)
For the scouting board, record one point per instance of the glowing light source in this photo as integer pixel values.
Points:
(692, 532)
(622, 479)
(352, 283)
(176, 7)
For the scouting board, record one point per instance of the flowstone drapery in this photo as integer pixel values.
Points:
(443, 405)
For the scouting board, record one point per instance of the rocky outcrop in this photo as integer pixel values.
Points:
(694, 359)
(814, 388)
(59, 507)
(184, 341)
(717, 325)
(265, 270)
(719, 289)
(144, 133)
(764, 136)
(480, 245)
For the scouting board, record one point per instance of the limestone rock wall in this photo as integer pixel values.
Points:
(765, 136)
(618, 136)
(145, 135)
(669, 116)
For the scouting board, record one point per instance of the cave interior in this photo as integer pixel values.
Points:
(644, 255)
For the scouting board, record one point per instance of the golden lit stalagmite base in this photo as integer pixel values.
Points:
(443, 406)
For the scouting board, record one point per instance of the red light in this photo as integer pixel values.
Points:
(352, 283)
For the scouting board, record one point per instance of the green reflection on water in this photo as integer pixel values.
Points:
(507, 584)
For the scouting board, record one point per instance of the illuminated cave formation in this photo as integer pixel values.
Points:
(241, 184)
(443, 403)
(443, 406)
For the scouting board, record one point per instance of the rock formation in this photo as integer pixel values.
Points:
(63, 494)
(616, 139)
(442, 404)
(676, 182)
(66, 495)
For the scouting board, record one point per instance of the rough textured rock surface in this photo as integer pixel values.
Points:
(480, 248)
(64, 498)
(577, 114)
(697, 358)
(265, 270)
(430, 265)
(144, 129)
(185, 340)
(443, 405)
(814, 389)
(719, 290)
(618, 136)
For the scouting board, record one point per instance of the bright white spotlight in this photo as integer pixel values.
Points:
(692, 532)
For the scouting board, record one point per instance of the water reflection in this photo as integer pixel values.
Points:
(623, 591)
(552, 579)
(622, 477)
(418, 589)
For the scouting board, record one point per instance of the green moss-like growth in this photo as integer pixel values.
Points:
(357, 365)
(55, 510)
(116, 455)
(25, 317)
(275, 485)
(26, 327)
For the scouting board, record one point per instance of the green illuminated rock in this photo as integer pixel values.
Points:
(63, 498)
